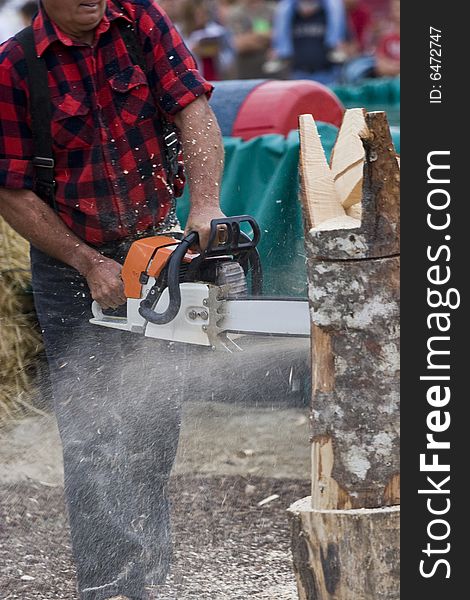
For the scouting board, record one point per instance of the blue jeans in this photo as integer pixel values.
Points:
(117, 401)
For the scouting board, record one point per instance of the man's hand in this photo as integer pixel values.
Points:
(200, 220)
(37, 222)
(105, 283)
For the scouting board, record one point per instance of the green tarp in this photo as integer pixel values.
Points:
(372, 91)
(261, 179)
(373, 94)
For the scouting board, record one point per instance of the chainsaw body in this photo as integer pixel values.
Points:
(178, 295)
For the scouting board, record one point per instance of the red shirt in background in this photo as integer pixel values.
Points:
(388, 46)
(359, 22)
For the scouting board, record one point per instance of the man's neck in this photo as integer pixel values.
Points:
(87, 37)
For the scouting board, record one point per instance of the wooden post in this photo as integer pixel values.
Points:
(345, 537)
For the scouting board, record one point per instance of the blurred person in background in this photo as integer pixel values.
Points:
(388, 45)
(173, 9)
(359, 20)
(224, 8)
(378, 8)
(383, 57)
(11, 20)
(310, 35)
(27, 12)
(361, 59)
(250, 22)
(209, 41)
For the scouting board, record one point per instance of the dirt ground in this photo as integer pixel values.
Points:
(231, 457)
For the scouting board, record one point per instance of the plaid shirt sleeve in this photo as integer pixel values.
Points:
(16, 171)
(172, 70)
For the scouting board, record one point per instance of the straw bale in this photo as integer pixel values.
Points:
(20, 339)
(14, 256)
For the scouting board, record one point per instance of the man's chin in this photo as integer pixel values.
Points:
(91, 12)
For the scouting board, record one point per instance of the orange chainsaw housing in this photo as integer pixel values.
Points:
(148, 256)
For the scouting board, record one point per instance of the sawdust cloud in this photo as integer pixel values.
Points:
(137, 397)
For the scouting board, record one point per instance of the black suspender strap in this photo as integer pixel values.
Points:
(172, 146)
(41, 114)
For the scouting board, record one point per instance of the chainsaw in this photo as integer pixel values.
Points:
(176, 294)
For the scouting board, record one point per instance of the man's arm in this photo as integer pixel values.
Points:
(204, 162)
(37, 222)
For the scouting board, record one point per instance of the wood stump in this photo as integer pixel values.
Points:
(351, 214)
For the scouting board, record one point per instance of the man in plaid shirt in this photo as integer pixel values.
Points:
(119, 425)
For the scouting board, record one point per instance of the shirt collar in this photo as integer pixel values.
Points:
(46, 31)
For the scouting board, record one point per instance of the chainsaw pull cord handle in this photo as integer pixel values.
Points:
(173, 277)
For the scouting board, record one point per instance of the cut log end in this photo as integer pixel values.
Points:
(336, 223)
(346, 555)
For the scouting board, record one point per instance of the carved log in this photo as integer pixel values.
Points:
(353, 272)
(347, 161)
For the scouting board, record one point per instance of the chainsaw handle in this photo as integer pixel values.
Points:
(236, 241)
(146, 309)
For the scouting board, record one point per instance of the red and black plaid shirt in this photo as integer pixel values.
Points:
(108, 145)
